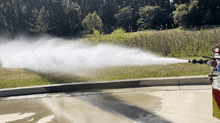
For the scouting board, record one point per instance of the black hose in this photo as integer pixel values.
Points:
(194, 61)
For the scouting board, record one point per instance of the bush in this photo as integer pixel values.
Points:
(96, 36)
(117, 36)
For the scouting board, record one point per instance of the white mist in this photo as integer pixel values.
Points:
(60, 55)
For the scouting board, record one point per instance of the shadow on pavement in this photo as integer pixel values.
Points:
(112, 104)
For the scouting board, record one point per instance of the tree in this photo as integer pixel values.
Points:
(152, 17)
(188, 15)
(92, 21)
(108, 17)
(9, 17)
(197, 13)
(2, 18)
(127, 18)
(73, 20)
(210, 9)
(64, 17)
(40, 21)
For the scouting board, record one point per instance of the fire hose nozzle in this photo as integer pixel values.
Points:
(194, 61)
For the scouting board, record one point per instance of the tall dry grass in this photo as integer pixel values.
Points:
(172, 43)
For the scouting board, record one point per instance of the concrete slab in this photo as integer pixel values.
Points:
(193, 80)
(160, 81)
(195, 87)
(164, 104)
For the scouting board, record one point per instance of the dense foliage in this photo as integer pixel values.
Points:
(153, 17)
(197, 13)
(65, 17)
(92, 21)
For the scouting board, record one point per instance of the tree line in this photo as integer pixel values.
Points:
(75, 17)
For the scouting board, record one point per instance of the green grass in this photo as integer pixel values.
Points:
(19, 78)
(171, 70)
(10, 78)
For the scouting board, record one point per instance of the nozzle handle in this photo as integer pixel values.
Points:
(216, 47)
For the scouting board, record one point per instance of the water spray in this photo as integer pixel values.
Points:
(0, 64)
(66, 56)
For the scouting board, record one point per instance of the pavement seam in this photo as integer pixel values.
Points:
(179, 82)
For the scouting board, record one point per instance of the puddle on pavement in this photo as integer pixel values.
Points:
(131, 107)
(15, 116)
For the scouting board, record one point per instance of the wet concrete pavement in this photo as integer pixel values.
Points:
(179, 104)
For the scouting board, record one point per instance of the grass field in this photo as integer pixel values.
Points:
(151, 71)
(10, 78)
